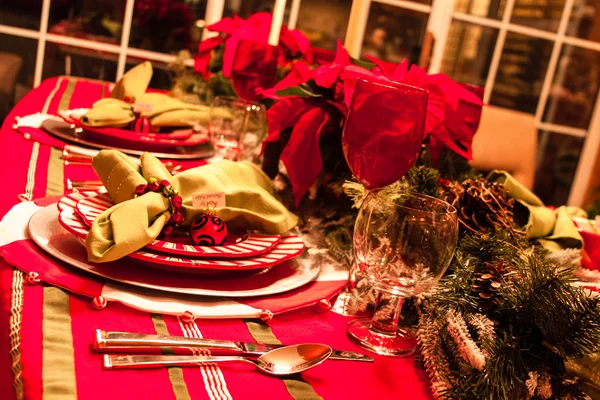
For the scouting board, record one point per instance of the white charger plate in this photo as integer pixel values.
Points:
(47, 232)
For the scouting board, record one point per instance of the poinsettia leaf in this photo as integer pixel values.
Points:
(296, 91)
(363, 64)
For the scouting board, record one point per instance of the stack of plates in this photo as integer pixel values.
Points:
(176, 144)
(247, 264)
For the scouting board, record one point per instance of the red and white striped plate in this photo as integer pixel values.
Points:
(236, 246)
(289, 246)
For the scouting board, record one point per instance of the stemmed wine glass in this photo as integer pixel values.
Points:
(381, 141)
(402, 246)
(237, 128)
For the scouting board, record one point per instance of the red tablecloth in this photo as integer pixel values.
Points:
(45, 332)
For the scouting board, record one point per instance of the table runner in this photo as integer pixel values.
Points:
(45, 332)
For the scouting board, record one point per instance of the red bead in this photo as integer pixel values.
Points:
(266, 315)
(141, 125)
(154, 186)
(33, 277)
(324, 304)
(141, 189)
(208, 230)
(168, 230)
(177, 218)
(188, 317)
(164, 183)
(99, 302)
(176, 201)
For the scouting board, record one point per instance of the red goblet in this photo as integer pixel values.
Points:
(383, 132)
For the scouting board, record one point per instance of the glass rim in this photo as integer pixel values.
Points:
(392, 85)
(450, 208)
(238, 100)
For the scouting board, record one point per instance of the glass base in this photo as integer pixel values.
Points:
(343, 306)
(402, 343)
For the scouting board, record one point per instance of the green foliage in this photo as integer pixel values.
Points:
(423, 180)
(540, 319)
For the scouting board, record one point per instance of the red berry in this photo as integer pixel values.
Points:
(154, 186)
(176, 201)
(141, 189)
(177, 218)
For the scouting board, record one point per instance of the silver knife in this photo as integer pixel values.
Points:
(142, 343)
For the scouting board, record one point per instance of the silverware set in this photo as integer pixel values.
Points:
(271, 359)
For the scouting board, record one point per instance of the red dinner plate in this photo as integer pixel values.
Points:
(289, 247)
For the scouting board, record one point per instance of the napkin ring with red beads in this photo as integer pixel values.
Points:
(168, 191)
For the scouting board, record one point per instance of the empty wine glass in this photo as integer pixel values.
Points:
(237, 128)
(402, 247)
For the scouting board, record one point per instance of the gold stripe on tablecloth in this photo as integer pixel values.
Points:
(175, 373)
(14, 335)
(66, 96)
(296, 386)
(58, 358)
(56, 174)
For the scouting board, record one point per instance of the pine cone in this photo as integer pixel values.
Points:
(489, 280)
(482, 206)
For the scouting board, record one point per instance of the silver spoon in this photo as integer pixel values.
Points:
(282, 361)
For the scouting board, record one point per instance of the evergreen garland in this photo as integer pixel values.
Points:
(504, 320)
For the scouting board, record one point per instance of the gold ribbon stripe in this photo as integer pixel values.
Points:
(296, 386)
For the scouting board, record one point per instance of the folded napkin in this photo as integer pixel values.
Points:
(135, 222)
(134, 83)
(166, 111)
(117, 110)
(554, 229)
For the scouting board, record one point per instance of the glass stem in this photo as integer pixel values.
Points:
(386, 314)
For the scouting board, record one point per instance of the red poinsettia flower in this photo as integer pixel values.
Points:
(256, 28)
(310, 115)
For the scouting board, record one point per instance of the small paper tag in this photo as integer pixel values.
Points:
(202, 201)
(140, 107)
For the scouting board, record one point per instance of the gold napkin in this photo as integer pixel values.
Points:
(134, 222)
(166, 111)
(117, 110)
(554, 229)
(134, 83)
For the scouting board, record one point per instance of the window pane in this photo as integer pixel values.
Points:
(585, 20)
(76, 61)
(481, 8)
(556, 168)
(324, 22)
(468, 52)
(244, 8)
(521, 72)
(575, 88)
(394, 33)
(22, 14)
(17, 66)
(539, 14)
(100, 21)
(168, 27)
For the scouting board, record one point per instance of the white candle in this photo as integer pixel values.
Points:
(278, 12)
(214, 13)
(294, 10)
(357, 24)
